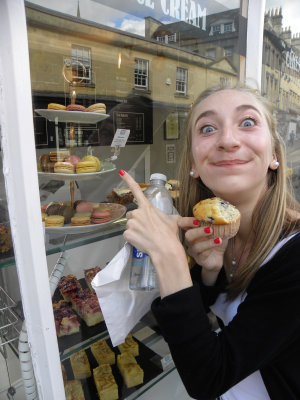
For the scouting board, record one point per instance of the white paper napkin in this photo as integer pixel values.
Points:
(122, 308)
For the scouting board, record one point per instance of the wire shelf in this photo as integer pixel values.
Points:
(8, 319)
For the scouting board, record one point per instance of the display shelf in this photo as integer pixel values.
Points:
(77, 117)
(55, 243)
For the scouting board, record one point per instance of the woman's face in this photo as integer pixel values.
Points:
(231, 144)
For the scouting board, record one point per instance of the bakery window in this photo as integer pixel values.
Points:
(81, 64)
(141, 73)
(181, 80)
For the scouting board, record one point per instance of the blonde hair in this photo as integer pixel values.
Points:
(275, 213)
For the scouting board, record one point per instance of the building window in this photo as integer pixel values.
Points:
(81, 64)
(228, 27)
(211, 53)
(228, 51)
(216, 29)
(141, 73)
(181, 80)
(167, 38)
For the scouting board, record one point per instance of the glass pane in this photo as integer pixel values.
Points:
(146, 62)
(281, 76)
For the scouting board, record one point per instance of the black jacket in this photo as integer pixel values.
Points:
(264, 335)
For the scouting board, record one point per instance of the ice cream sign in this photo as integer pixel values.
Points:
(183, 10)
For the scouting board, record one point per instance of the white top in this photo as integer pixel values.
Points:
(252, 387)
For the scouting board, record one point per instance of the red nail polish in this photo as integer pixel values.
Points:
(207, 229)
(122, 172)
(196, 222)
(217, 241)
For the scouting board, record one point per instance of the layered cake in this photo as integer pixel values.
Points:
(74, 391)
(87, 307)
(129, 346)
(89, 275)
(102, 352)
(130, 370)
(66, 322)
(106, 385)
(80, 365)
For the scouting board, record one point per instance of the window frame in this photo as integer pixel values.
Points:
(181, 80)
(140, 75)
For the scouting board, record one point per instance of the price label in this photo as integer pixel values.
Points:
(120, 137)
(167, 362)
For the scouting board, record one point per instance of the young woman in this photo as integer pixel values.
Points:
(252, 281)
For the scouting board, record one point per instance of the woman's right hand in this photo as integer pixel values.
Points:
(205, 250)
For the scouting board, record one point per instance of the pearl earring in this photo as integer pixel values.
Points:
(276, 164)
(192, 173)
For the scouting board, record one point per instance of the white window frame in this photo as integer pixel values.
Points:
(82, 55)
(228, 25)
(181, 80)
(141, 73)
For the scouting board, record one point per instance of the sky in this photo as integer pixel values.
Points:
(93, 11)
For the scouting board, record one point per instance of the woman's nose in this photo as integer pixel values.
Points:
(228, 139)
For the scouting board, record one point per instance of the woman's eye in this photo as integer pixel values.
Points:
(207, 129)
(247, 122)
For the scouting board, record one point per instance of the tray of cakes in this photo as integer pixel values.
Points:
(83, 217)
(75, 113)
(60, 165)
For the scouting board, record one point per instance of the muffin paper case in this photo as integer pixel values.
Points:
(122, 308)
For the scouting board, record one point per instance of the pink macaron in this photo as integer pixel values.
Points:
(99, 217)
(84, 206)
(73, 159)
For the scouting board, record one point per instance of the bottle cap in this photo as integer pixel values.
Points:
(158, 176)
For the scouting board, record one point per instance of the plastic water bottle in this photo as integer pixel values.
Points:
(143, 274)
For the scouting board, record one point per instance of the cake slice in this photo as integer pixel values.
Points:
(106, 385)
(66, 322)
(87, 306)
(130, 346)
(89, 275)
(80, 365)
(102, 352)
(130, 370)
(68, 285)
(74, 391)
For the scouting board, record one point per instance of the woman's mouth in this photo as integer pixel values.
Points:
(223, 163)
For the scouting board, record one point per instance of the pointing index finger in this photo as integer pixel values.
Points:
(133, 186)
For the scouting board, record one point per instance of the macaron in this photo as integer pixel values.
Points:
(99, 108)
(58, 155)
(75, 107)
(73, 159)
(79, 220)
(84, 167)
(99, 217)
(56, 106)
(63, 167)
(53, 208)
(54, 220)
(67, 212)
(84, 206)
(94, 159)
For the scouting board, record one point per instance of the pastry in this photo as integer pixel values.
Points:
(58, 155)
(73, 159)
(55, 106)
(63, 167)
(54, 220)
(53, 208)
(75, 107)
(129, 346)
(84, 167)
(89, 275)
(97, 108)
(67, 212)
(120, 196)
(50, 167)
(100, 217)
(220, 214)
(80, 365)
(87, 306)
(106, 385)
(44, 215)
(68, 285)
(44, 160)
(102, 352)
(5, 239)
(80, 219)
(73, 390)
(66, 322)
(93, 158)
(84, 206)
(130, 370)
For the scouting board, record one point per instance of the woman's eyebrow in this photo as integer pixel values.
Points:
(243, 107)
(205, 114)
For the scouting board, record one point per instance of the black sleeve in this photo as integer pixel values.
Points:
(209, 294)
(266, 323)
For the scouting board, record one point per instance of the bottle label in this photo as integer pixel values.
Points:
(138, 254)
